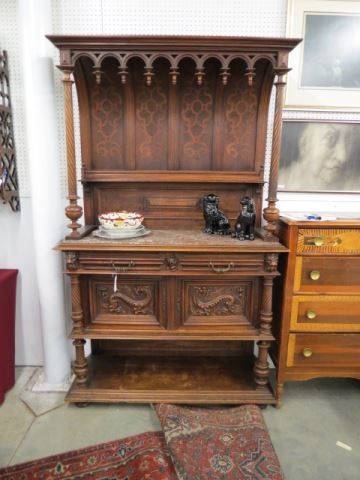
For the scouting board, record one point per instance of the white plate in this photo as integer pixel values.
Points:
(113, 232)
(121, 235)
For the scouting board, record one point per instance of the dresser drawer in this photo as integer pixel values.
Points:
(169, 263)
(328, 241)
(329, 351)
(221, 263)
(111, 262)
(325, 313)
(327, 274)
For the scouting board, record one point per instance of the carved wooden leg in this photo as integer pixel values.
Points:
(261, 368)
(80, 364)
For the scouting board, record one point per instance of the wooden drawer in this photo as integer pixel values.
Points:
(130, 262)
(328, 241)
(169, 263)
(328, 351)
(221, 264)
(327, 274)
(325, 313)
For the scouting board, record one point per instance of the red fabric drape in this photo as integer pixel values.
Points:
(7, 330)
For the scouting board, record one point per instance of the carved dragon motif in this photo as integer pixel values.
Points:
(112, 301)
(221, 304)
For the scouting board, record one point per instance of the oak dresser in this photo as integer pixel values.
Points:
(319, 331)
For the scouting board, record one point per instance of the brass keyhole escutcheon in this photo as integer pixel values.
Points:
(319, 241)
(315, 275)
(307, 352)
(310, 314)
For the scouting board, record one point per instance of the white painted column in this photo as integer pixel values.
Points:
(35, 19)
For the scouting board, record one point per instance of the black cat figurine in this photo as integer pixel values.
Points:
(245, 223)
(215, 220)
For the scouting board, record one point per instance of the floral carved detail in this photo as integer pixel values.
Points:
(271, 261)
(72, 261)
(138, 300)
(208, 300)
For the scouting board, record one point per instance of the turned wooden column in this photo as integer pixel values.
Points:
(80, 364)
(261, 368)
(73, 210)
(77, 314)
(271, 212)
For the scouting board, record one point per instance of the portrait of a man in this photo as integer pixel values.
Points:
(331, 51)
(320, 156)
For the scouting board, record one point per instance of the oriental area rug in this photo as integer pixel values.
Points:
(195, 444)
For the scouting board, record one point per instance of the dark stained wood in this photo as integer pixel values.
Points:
(318, 323)
(171, 379)
(165, 121)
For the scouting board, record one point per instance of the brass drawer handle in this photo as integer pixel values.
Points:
(310, 314)
(315, 275)
(319, 241)
(221, 269)
(307, 352)
(123, 269)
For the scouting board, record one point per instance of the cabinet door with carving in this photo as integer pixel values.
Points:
(125, 302)
(216, 302)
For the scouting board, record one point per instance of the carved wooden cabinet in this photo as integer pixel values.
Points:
(319, 333)
(165, 121)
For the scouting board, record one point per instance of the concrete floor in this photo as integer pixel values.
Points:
(305, 431)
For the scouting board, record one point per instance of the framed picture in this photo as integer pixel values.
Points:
(325, 66)
(320, 156)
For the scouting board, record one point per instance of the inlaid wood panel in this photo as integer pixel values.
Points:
(123, 301)
(106, 116)
(325, 313)
(323, 351)
(322, 241)
(151, 116)
(327, 274)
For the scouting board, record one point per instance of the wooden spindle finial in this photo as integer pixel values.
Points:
(123, 72)
(97, 72)
(174, 73)
(149, 73)
(199, 74)
(250, 73)
(225, 74)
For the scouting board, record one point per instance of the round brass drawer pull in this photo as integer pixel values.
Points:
(307, 352)
(319, 241)
(315, 275)
(310, 314)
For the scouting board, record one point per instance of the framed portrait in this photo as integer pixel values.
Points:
(320, 156)
(325, 66)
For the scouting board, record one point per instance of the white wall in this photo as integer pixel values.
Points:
(204, 17)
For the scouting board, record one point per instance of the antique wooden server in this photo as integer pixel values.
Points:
(319, 332)
(165, 121)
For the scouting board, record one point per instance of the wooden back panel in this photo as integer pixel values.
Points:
(183, 127)
(166, 206)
